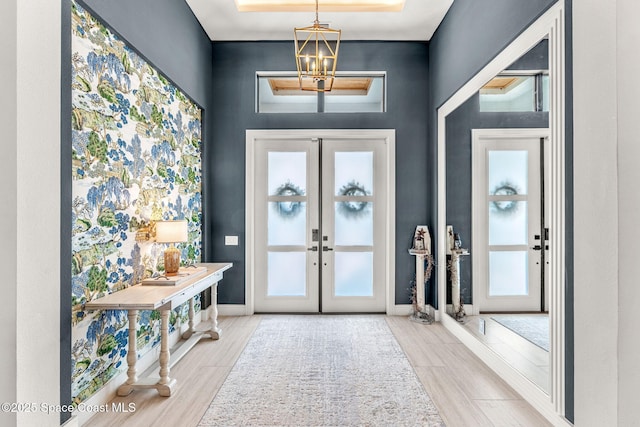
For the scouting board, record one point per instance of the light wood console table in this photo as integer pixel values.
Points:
(163, 298)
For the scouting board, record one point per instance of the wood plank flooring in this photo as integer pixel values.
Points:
(466, 392)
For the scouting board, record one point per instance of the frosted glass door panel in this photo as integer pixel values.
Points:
(287, 274)
(286, 208)
(287, 224)
(319, 231)
(508, 172)
(354, 223)
(507, 230)
(354, 173)
(353, 274)
(508, 223)
(287, 173)
(508, 273)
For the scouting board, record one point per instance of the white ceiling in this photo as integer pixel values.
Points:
(222, 21)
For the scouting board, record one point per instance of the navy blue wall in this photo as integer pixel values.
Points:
(168, 36)
(235, 65)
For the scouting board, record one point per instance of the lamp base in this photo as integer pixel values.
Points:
(171, 261)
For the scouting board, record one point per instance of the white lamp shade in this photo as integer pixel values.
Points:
(171, 231)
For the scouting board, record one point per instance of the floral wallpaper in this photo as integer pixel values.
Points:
(136, 153)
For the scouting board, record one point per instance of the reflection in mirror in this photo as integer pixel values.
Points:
(352, 93)
(495, 206)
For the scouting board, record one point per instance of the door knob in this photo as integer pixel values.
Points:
(326, 248)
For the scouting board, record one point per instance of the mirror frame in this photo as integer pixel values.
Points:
(549, 25)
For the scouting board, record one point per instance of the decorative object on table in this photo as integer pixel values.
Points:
(455, 250)
(422, 251)
(171, 232)
(316, 55)
(183, 274)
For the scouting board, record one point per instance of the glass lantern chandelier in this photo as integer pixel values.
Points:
(316, 55)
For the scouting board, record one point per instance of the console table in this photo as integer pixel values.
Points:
(163, 298)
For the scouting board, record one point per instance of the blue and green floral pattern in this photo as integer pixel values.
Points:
(136, 144)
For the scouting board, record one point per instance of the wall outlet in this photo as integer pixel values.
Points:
(481, 326)
(231, 240)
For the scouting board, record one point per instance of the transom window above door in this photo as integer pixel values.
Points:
(353, 92)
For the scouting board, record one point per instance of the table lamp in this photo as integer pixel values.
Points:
(171, 232)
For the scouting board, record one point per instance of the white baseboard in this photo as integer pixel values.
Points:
(468, 310)
(407, 310)
(241, 310)
(232, 310)
(401, 310)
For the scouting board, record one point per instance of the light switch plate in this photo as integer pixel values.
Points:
(231, 240)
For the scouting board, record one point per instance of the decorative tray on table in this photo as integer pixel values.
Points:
(184, 274)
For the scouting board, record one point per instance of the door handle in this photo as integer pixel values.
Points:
(313, 249)
(537, 248)
(326, 248)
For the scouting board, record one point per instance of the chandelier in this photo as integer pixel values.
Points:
(316, 55)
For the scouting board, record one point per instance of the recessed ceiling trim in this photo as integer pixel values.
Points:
(222, 21)
(342, 86)
(501, 84)
(324, 6)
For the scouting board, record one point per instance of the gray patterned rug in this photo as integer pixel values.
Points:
(322, 370)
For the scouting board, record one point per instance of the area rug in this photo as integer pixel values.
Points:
(322, 370)
(531, 328)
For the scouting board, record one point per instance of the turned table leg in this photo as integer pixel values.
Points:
(165, 383)
(215, 331)
(187, 334)
(132, 356)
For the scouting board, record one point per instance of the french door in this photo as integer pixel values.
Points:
(319, 214)
(510, 238)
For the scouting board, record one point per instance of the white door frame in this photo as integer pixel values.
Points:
(480, 272)
(308, 301)
(252, 135)
(551, 25)
(375, 302)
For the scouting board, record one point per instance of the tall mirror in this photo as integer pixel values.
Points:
(501, 213)
(495, 177)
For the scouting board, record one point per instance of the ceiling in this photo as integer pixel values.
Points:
(417, 21)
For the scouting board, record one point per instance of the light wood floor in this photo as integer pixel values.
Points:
(466, 392)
